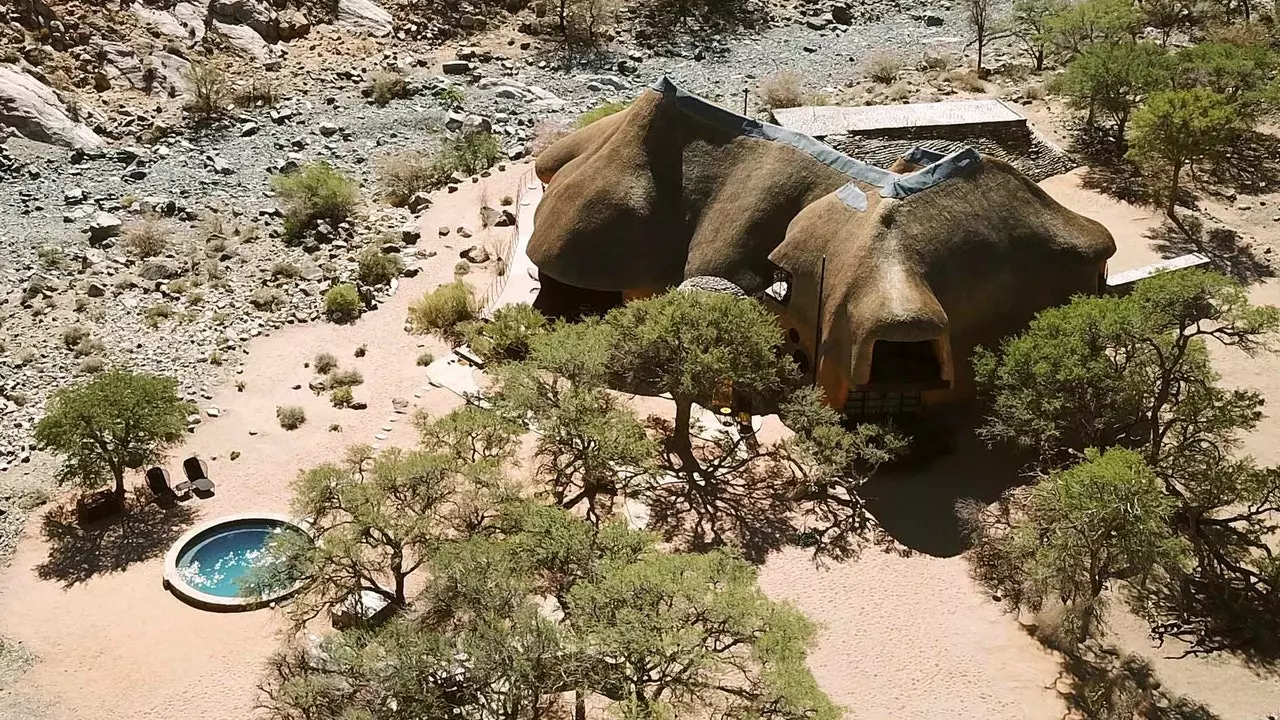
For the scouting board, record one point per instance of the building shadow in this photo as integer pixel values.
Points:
(1222, 245)
(145, 530)
(914, 500)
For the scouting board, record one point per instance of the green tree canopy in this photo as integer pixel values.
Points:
(695, 344)
(1176, 129)
(547, 605)
(1238, 73)
(1134, 372)
(1114, 78)
(377, 518)
(1091, 22)
(1029, 24)
(117, 421)
(1068, 536)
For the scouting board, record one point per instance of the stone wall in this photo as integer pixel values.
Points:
(1014, 143)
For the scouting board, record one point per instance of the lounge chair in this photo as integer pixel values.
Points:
(158, 481)
(195, 469)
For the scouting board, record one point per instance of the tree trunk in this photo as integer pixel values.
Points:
(681, 444)
(118, 473)
(579, 705)
(1171, 204)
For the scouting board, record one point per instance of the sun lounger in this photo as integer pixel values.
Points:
(158, 482)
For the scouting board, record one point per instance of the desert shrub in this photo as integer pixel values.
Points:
(783, 89)
(1033, 92)
(462, 268)
(216, 358)
(147, 237)
(507, 336)
(470, 153)
(315, 192)
(546, 133)
(325, 363)
(286, 269)
(92, 365)
(599, 112)
(404, 174)
(157, 314)
(335, 427)
(882, 68)
(387, 86)
(342, 303)
(240, 386)
(362, 351)
(265, 298)
(51, 257)
(507, 201)
(442, 310)
(425, 359)
(291, 417)
(341, 397)
(451, 96)
(967, 80)
(260, 91)
(374, 267)
(345, 378)
(89, 346)
(897, 93)
(210, 92)
(73, 335)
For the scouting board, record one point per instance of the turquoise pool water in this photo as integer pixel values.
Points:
(216, 561)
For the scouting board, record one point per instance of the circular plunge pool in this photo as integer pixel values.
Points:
(207, 566)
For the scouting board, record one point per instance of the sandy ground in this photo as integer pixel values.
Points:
(902, 637)
(116, 645)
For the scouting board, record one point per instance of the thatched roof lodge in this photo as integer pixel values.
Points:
(922, 260)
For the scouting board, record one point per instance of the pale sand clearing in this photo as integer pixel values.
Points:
(117, 646)
(901, 638)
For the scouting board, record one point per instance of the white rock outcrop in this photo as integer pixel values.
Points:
(34, 110)
(364, 15)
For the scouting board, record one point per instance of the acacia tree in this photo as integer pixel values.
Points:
(1134, 372)
(978, 15)
(590, 446)
(1029, 25)
(694, 344)
(1081, 25)
(1112, 79)
(1069, 535)
(117, 421)
(1176, 129)
(375, 519)
(647, 634)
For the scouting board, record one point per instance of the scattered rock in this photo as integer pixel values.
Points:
(103, 226)
(475, 254)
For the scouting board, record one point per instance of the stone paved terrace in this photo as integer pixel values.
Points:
(820, 121)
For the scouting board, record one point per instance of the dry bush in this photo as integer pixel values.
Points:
(210, 92)
(341, 397)
(783, 89)
(316, 192)
(967, 80)
(387, 86)
(375, 267)
(442, 310)
(291, 417)
(92, 366)
(286, 269)
(73, 335)
(325, 363)
(1033, 92)
(147, 237)
(425, 359)
(260, 91)
(404, 174)
(265, 298)
(345, 378)
(882, 68)
(897, 93)
(546, 133)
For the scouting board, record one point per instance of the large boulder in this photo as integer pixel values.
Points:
(122, 67)
(164, 23)
(255, 14)
(245, 39)
(192, 16)
(33, 109)
(365, 15)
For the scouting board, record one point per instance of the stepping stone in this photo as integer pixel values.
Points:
(380, 436)
(386, 428)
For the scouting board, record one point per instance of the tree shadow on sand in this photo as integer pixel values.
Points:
(145, 530)
(914, 500)
(1104, 682)
(1223, 246)
(1250, 165)
(1108, 171)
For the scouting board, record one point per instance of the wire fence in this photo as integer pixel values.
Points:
(504, 249)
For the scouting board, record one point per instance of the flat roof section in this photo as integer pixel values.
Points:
(823, 120)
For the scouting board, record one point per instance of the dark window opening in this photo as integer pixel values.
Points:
(863, 404)
(561, 300)
(904, 363)
(801, 360)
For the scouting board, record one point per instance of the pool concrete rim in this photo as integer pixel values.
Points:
(179, 587)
